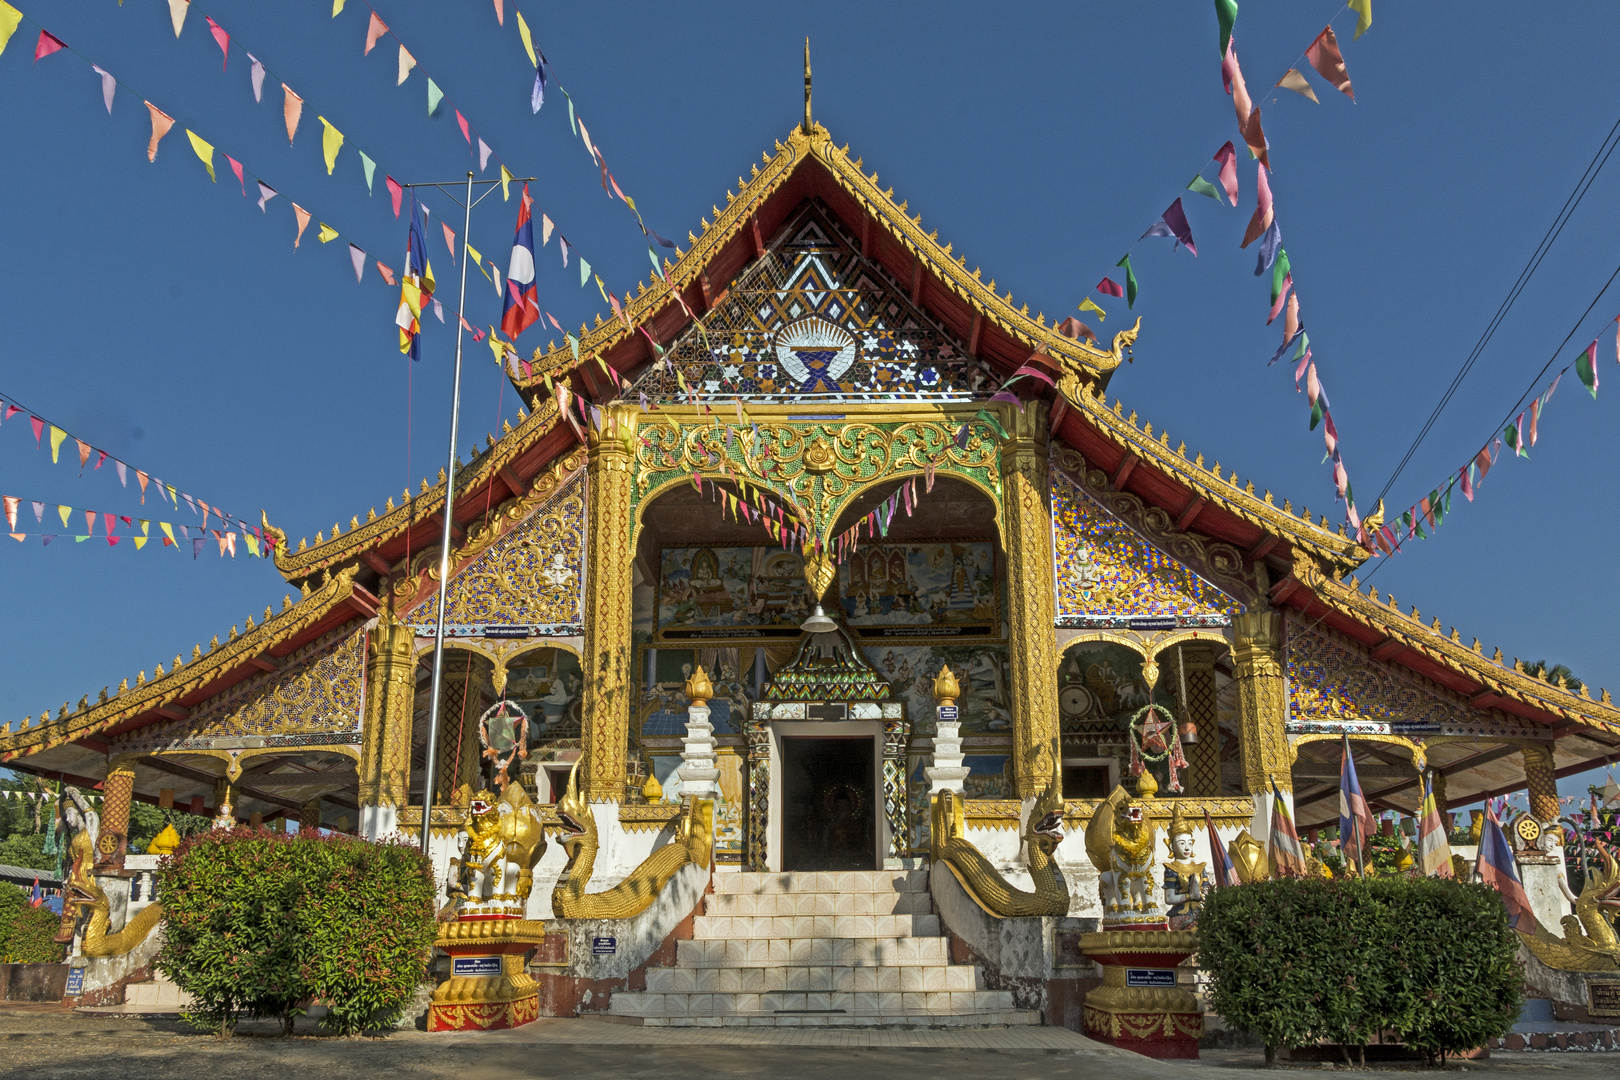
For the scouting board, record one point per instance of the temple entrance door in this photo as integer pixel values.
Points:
(828, 817)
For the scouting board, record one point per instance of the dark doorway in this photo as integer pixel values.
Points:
(827, 804)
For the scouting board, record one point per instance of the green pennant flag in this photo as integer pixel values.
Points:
(584, 272)
(1204, 187)
(435, 95)
(990, 418)
(1586, 368)
(573, 343)
(1316, 413)
(571, 125)
(1279, 273)
(1420, 533)
(1406, 523)
(1130, 281)
(1226, 15)
(371, 169)
(1304, 345)
(1447, 500)
(1511, 436)
(1436, 508)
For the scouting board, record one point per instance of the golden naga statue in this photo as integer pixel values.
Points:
(1119, 842)
(693, 844)
(1589, 942)
(979, 876)
(85, 893)
(500, 845)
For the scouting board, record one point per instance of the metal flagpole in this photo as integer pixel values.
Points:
(449, 518)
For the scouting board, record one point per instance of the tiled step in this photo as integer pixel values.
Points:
(842, 881)
(944, 1003)
(156, 994)
(1003, 1018)
(805, 979)
(757, 927)
(812, 952)
(884, 902)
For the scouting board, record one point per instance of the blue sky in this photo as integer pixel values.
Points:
(165, 319)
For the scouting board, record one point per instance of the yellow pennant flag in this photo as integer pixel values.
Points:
(64, 511)
(337, 7)
(146, 527)
(1363, 10)
(173, 495)
(168, 531)
(506, 183)
(252, 543)
(331, 143)
(9, 18)
(1089, 305)
(327, 233)
(140, 542)
(57, 435)
(528, 42)
(204, 151)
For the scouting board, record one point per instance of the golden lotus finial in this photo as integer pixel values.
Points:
(1146, 785)
(946, 688)
(819, 572)
(698, 687)
(819, 456)
(652, 790)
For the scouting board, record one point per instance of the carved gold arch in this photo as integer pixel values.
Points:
(1414, 749)
(1149, 646)
(501, 652)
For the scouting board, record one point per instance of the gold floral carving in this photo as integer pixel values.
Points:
(390, 702)
(605, 704)
(531, 574)
(186, 679)
(1333, 680)
(1262, 706)
(1031, 647)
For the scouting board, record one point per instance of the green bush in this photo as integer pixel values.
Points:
(258, 923)
(26, 932)
(1298, 961)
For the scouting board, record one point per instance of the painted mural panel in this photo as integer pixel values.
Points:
(1109, 575)
(702, 589)
(944, 584)
(1100, 686)
(664, 699)
(546, 683)
(982, 670)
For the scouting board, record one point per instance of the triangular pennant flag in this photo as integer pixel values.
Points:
(358, 258)
(204, 151)
(1204, 187)
(331, 143)
(1363, 10)
(1264, 212)
(528, 41)
(1325, 57)
(236, 167)
(10, 18)
(1227, 157)
(506, 189)
(266, 193)
(326, 234)
(1586, 368)
(1226, 15)
(374, 30)
(396, 191)
(370, 168)
(1296, 82)
(257, 72)
(387, 274)
(303, 222)
(177, 14)
(435, 95)
(1130, 281)
(108, 83)
(406, 62)
(161, 123)
(449, 240)
(483, 155)
(466, 132)
(224, 40)
(1088, 304)
(1108, 287)
(292, 108)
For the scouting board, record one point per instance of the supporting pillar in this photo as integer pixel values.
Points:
(1032, 642)
(1541, 783)
(116, 795)
(698, 772)
(1196, 673)
(605, 708)
(1262, 704)
(458, 731)
(385, 751)
(309, 816)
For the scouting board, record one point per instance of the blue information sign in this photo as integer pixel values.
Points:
(475, 965)
(604, 946)
(1159, 978)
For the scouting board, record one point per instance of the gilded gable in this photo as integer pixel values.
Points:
(1335, 686)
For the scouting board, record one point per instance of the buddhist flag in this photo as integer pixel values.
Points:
(1325, 57)
(1221, 866)
(161, 123)
(1434, 852)
(204, 151)
(1355, 818)
(1287, 857)
(1498, 869)
(522, 305)
(416, 285)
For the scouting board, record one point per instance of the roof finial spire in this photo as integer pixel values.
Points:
(808, 124)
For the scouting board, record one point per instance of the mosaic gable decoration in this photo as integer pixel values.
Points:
(316, 699)
(529, 580)
(812, 320)
(1110, 576)
(1335, 687)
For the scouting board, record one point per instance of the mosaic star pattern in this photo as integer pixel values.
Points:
(1333, 682)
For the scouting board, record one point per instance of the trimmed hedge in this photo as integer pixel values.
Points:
(26, 932)
(257, 923)
(1305, 960)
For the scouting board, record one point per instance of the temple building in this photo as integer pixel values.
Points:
(736, 577)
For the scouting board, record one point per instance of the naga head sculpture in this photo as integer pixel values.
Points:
(574, 811)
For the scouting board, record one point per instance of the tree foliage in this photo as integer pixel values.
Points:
(1298, 961)
(26, 932)
(259, 923)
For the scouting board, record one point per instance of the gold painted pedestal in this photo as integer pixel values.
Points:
(1139, 1006)
(488, 986)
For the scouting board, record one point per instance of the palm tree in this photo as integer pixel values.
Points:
(1557, 674)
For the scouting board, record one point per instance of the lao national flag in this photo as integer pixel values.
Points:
(522, 294)
(1355, 818)
(1498, 869)
(36, 898)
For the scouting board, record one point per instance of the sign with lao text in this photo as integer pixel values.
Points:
(475, 965)
(604, 946)
(1157, 978)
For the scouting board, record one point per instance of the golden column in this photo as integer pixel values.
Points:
(1032, 642)
(605, 704)
(1196, 670)
(309, 816)
(1539, 778)
(1262, 704)
(385, 744)
(116, 795)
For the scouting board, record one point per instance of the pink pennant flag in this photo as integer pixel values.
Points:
(110, 522)
(1108, 288)
(466, 133)
(223, 38)
(39, 428)
(236, 167)
(357, 257)
(1276, 309)
(48, 43)
(303, 222)
(500, 13)
(387, 274)
(374, 30)
(108, 85)
(1232, 78)
(449, 240)
(1228, 159)
(395, 191)
(1264, 212)
(292, 108)
(161, 123)
(1328, 61)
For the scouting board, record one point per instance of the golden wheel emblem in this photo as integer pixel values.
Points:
(1529, 829)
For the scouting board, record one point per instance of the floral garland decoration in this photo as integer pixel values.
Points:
(1149, 743)
(503, 709)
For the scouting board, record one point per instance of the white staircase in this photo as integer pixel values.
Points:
(847, 948)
